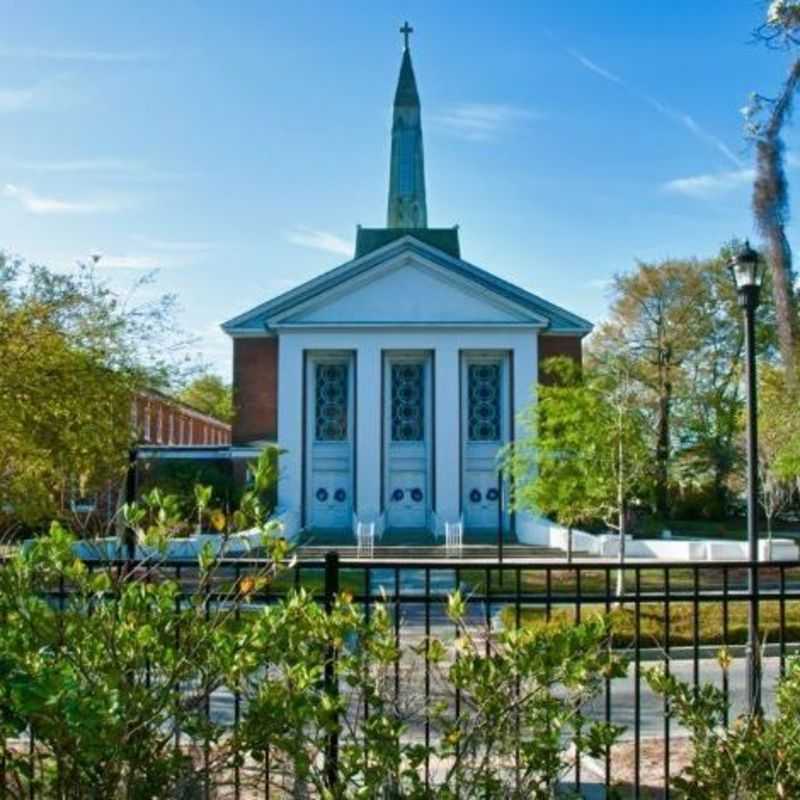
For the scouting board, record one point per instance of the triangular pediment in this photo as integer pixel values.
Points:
(407, 290)
(407, 281)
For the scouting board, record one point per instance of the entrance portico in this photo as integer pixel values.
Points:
(446, 465)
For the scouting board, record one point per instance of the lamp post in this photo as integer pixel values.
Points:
(745, 268)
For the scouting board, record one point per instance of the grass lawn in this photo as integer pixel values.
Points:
(563, 590)
(313, 580)
(564, 581)
(533, 583)
(681, 622)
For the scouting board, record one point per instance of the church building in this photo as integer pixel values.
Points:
(392, 380)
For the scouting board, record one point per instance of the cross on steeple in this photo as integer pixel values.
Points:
(406, 30)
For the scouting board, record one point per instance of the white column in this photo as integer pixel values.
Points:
(290, 424)
(368, 431)
(448, 422)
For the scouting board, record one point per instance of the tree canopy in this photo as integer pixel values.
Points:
(779, 425)
(677, 323)
(211, 395)
(73, 353)
(585, 455)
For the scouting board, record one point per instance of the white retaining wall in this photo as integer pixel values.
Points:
(109, 548)
(541, 531)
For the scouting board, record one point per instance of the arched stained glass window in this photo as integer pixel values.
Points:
(331, 402)
(408, 403)
(483, 395)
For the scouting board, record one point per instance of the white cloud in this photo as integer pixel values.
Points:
(17, 99)
(45, 95)
(147, 262)
(711, 183)
(40, 204)
(60, 54)
(25, 98)
(319, 240)
(143, 261)
(81, 165)
(596, 68)
(174, 246)
(117, 167)
(152, 254)
(156, 254)
(701, 133)
(600, 283)
(484, 121)
(675, 115)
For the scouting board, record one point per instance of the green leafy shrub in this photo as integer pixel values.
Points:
(523, 692)
(111, 668)
(755, 758)
(96, 681)
(178, 477)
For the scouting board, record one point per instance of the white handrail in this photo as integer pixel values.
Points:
(365, 539)
(454, 537)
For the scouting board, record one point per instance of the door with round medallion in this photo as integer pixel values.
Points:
(485, 430)
(407, 437)
(330, 423)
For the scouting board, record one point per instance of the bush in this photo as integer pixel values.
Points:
(755, 758)
(112, 673)
(693, 501)
(178, 477)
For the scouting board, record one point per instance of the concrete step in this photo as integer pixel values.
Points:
(468, 552)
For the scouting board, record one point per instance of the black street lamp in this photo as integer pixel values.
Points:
(745, 267)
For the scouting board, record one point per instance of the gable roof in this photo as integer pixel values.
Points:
(557, 319)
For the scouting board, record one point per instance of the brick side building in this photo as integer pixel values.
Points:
(163, 424)
(162, 420)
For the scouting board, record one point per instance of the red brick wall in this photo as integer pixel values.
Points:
(551, 346)
(255, 389)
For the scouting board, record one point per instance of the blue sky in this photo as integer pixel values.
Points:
(235, 146)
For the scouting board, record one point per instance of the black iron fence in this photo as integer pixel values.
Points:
(678, 615)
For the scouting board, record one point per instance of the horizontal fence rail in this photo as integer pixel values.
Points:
(675, 614)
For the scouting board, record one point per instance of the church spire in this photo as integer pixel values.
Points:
(407, 207)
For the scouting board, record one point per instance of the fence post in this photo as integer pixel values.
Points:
(131, 478)
(331, 680)
(130, 497)
(500, 521)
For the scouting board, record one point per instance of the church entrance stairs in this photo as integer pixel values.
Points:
(315, 552)
(421, 545)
